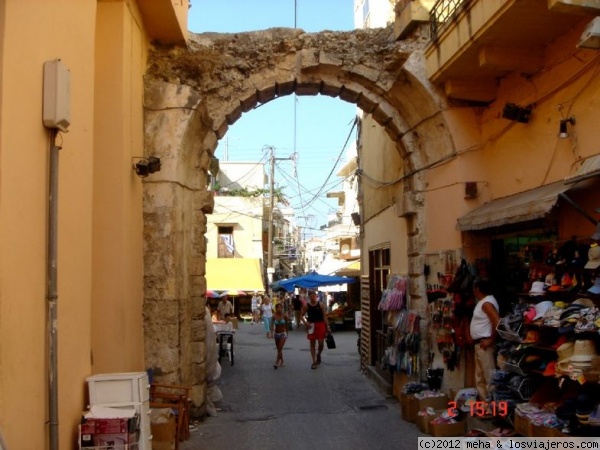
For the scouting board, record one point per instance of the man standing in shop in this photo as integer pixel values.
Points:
(225, 307)
(483, 332)
(317, 326)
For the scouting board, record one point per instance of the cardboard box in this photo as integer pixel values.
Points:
(405, 402)
(448, 429)
(164, 435)
(163, 426)
(523, 425)
(440, 402)
(423, 423)
(400, 379)
(107, 440)
(109, 426)
(541, 431)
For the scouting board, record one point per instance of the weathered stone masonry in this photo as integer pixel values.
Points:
(193, 94)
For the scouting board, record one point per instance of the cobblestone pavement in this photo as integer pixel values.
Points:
(294, 407)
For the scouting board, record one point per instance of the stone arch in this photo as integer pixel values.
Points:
(194, 94)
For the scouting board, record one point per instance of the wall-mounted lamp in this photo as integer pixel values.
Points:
(517, 113)
(563, 130)
(145, 166)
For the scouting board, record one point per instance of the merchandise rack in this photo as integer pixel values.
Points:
(510, 335)
(513, 367)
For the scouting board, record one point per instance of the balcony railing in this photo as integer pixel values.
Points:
(441, 14)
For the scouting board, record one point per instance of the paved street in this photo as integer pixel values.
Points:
(294, 407)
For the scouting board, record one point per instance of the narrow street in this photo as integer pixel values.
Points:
(294, 407)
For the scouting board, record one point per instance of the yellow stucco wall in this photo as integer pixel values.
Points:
(245, 215)
(100, 272)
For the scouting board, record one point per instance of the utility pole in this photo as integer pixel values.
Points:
(272, 159)
(270, 268)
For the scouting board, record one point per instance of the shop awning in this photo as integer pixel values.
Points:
(521, 207)
(331, 266)
(589, 168)
(243, 274)
(351, 269)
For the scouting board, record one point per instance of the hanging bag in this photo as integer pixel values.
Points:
(330, 341)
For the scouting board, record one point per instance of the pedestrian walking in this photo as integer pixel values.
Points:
(317, 326)
(279, 332)
(255, 308)
(266, 314)
(297, 305)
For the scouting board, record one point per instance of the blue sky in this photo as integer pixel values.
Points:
(315, 127)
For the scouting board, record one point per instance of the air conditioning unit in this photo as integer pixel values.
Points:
(591, 35)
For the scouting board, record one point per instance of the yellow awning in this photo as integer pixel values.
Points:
(352, 269)
(244, 274)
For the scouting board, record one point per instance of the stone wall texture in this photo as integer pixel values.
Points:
(194, 93)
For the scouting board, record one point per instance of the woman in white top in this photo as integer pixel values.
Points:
(266, 313)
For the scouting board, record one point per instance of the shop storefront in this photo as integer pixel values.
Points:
(544, 262)
(540, 250)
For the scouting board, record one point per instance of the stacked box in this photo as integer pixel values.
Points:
(105, 432)
(405, 402)
(117, 440)
(440, 402)
(423, 423)
(448, 429)
(523, 425)
(109, 426)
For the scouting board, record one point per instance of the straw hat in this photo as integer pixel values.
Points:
(593, 257)
(565, 351)
(583, 351)
(591, 374)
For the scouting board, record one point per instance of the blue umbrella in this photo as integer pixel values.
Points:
(311, 280)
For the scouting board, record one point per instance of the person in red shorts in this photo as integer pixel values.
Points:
(314, 316)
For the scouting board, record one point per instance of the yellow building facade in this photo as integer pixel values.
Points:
(99, 267)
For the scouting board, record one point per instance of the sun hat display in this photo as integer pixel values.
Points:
(552, 316)
(583, 351)
(595, 289)
(550, 369)
(564, 353)
(537, 288)
(541, 308)
(593, 257)
(529, 314)
(560, 341)
(588, 318)
(591, 374)
(550, 279)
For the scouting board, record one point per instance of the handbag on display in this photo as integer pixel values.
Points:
(330, 341)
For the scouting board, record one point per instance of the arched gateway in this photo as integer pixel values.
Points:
(193, 94)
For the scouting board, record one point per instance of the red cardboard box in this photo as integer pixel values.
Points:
(107, 440)
(109, 426)
(117, 440)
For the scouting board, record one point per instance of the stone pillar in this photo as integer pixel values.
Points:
(175, 203)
